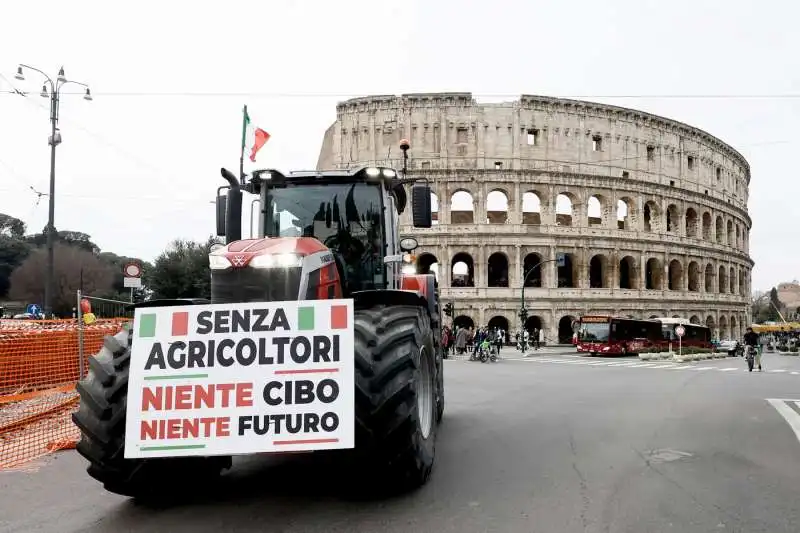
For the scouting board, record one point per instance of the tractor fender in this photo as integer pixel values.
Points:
(372, 298)
(425, 285)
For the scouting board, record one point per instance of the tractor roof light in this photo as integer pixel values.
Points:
(373, 172)
(389, 173)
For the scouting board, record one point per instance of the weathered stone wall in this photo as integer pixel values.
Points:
(680, 250)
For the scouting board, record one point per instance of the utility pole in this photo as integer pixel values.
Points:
(523, 311)
(55, 139)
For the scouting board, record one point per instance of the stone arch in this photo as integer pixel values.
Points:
(673, 218)
(497, 207)
(709, 278)
(597, 209)
(729, 231)
(626, 213)
(434, 208)
(565, 329)
(628, 273)
(651, 317)
(719, 230)
(565, 208)
(599, 272)
(722, 277)
(497, 270)
(428, 264)
(742, 283)
(732, 281)
(499, 321)
(724, 332)
(675, 275)
(653, 274)
(532, 270)
(706, 226)
(652, 217)
(464, 321)
(462, 270)
(711, 324)
(691, 222)
(734, 325)
(694, 276)
(533, 322)
(531, 208)
(738, 237)
(694, 319)
(567, 276)
(462, 208)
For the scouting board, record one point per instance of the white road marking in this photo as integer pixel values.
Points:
(671, 365)
(731, 369)
(705, 368)
(789, 414)
(777, 371)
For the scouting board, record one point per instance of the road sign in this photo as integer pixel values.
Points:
(132, 283)
(132, 270)
(680, 331)
(33, 309)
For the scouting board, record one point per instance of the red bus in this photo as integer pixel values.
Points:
(610, 335)
(694, 336)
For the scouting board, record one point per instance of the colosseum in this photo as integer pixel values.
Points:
(650, 213)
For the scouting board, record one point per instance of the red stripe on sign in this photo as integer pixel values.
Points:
(306, 441)
(180, 324)
(306, 371)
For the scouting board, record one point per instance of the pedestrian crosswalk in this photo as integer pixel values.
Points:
(723, 366)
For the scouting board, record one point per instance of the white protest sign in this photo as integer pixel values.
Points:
(228, 379)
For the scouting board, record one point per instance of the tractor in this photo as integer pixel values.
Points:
(321, 235)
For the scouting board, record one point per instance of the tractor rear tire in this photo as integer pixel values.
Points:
(101, 419)
(396, 389)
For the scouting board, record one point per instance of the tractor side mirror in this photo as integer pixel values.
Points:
(221, 208)
(421, 205)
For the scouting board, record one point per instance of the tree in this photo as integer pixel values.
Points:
(71, 264)
(775, 304)
(13, 249)
(182, 271)
(11, 227)
(72, 238)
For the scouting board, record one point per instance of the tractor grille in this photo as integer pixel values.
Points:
(255, 285)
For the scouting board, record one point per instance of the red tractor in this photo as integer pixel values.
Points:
(321, 235)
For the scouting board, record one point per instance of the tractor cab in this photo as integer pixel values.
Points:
(307, 218)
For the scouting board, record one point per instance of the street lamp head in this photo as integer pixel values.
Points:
(19, 75)
(44, 91)
(61, 77)
(88, 95)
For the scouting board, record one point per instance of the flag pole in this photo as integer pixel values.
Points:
(245, 120)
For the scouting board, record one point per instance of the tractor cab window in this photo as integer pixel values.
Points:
(344, 217)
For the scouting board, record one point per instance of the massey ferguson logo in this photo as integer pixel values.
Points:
(238, 260)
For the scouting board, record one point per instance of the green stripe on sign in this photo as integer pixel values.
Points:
(147, 325)
(176, 376)
(179, 447)
(305, 318)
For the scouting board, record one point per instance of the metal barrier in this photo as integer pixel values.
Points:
(100, 308)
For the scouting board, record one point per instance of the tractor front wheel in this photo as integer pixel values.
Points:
(101, 419)
(396, 394)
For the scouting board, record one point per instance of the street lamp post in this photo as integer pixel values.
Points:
(54, 140)
(523, 312)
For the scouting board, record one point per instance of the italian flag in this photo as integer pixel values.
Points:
(256, 138)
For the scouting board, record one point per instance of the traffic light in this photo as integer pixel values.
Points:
(448, 309)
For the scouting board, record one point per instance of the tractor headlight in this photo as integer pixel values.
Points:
(373, 172)
(218, 262)
(276, 261)
(389, 173)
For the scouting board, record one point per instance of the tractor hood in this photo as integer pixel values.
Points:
(270, 270)
(241, 253)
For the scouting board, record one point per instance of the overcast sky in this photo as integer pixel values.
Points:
(139, 165)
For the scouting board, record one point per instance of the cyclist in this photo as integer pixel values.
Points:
(751, 342)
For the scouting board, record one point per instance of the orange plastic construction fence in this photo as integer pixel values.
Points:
(39, 367)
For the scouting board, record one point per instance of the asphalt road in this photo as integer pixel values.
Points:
(547, 444)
